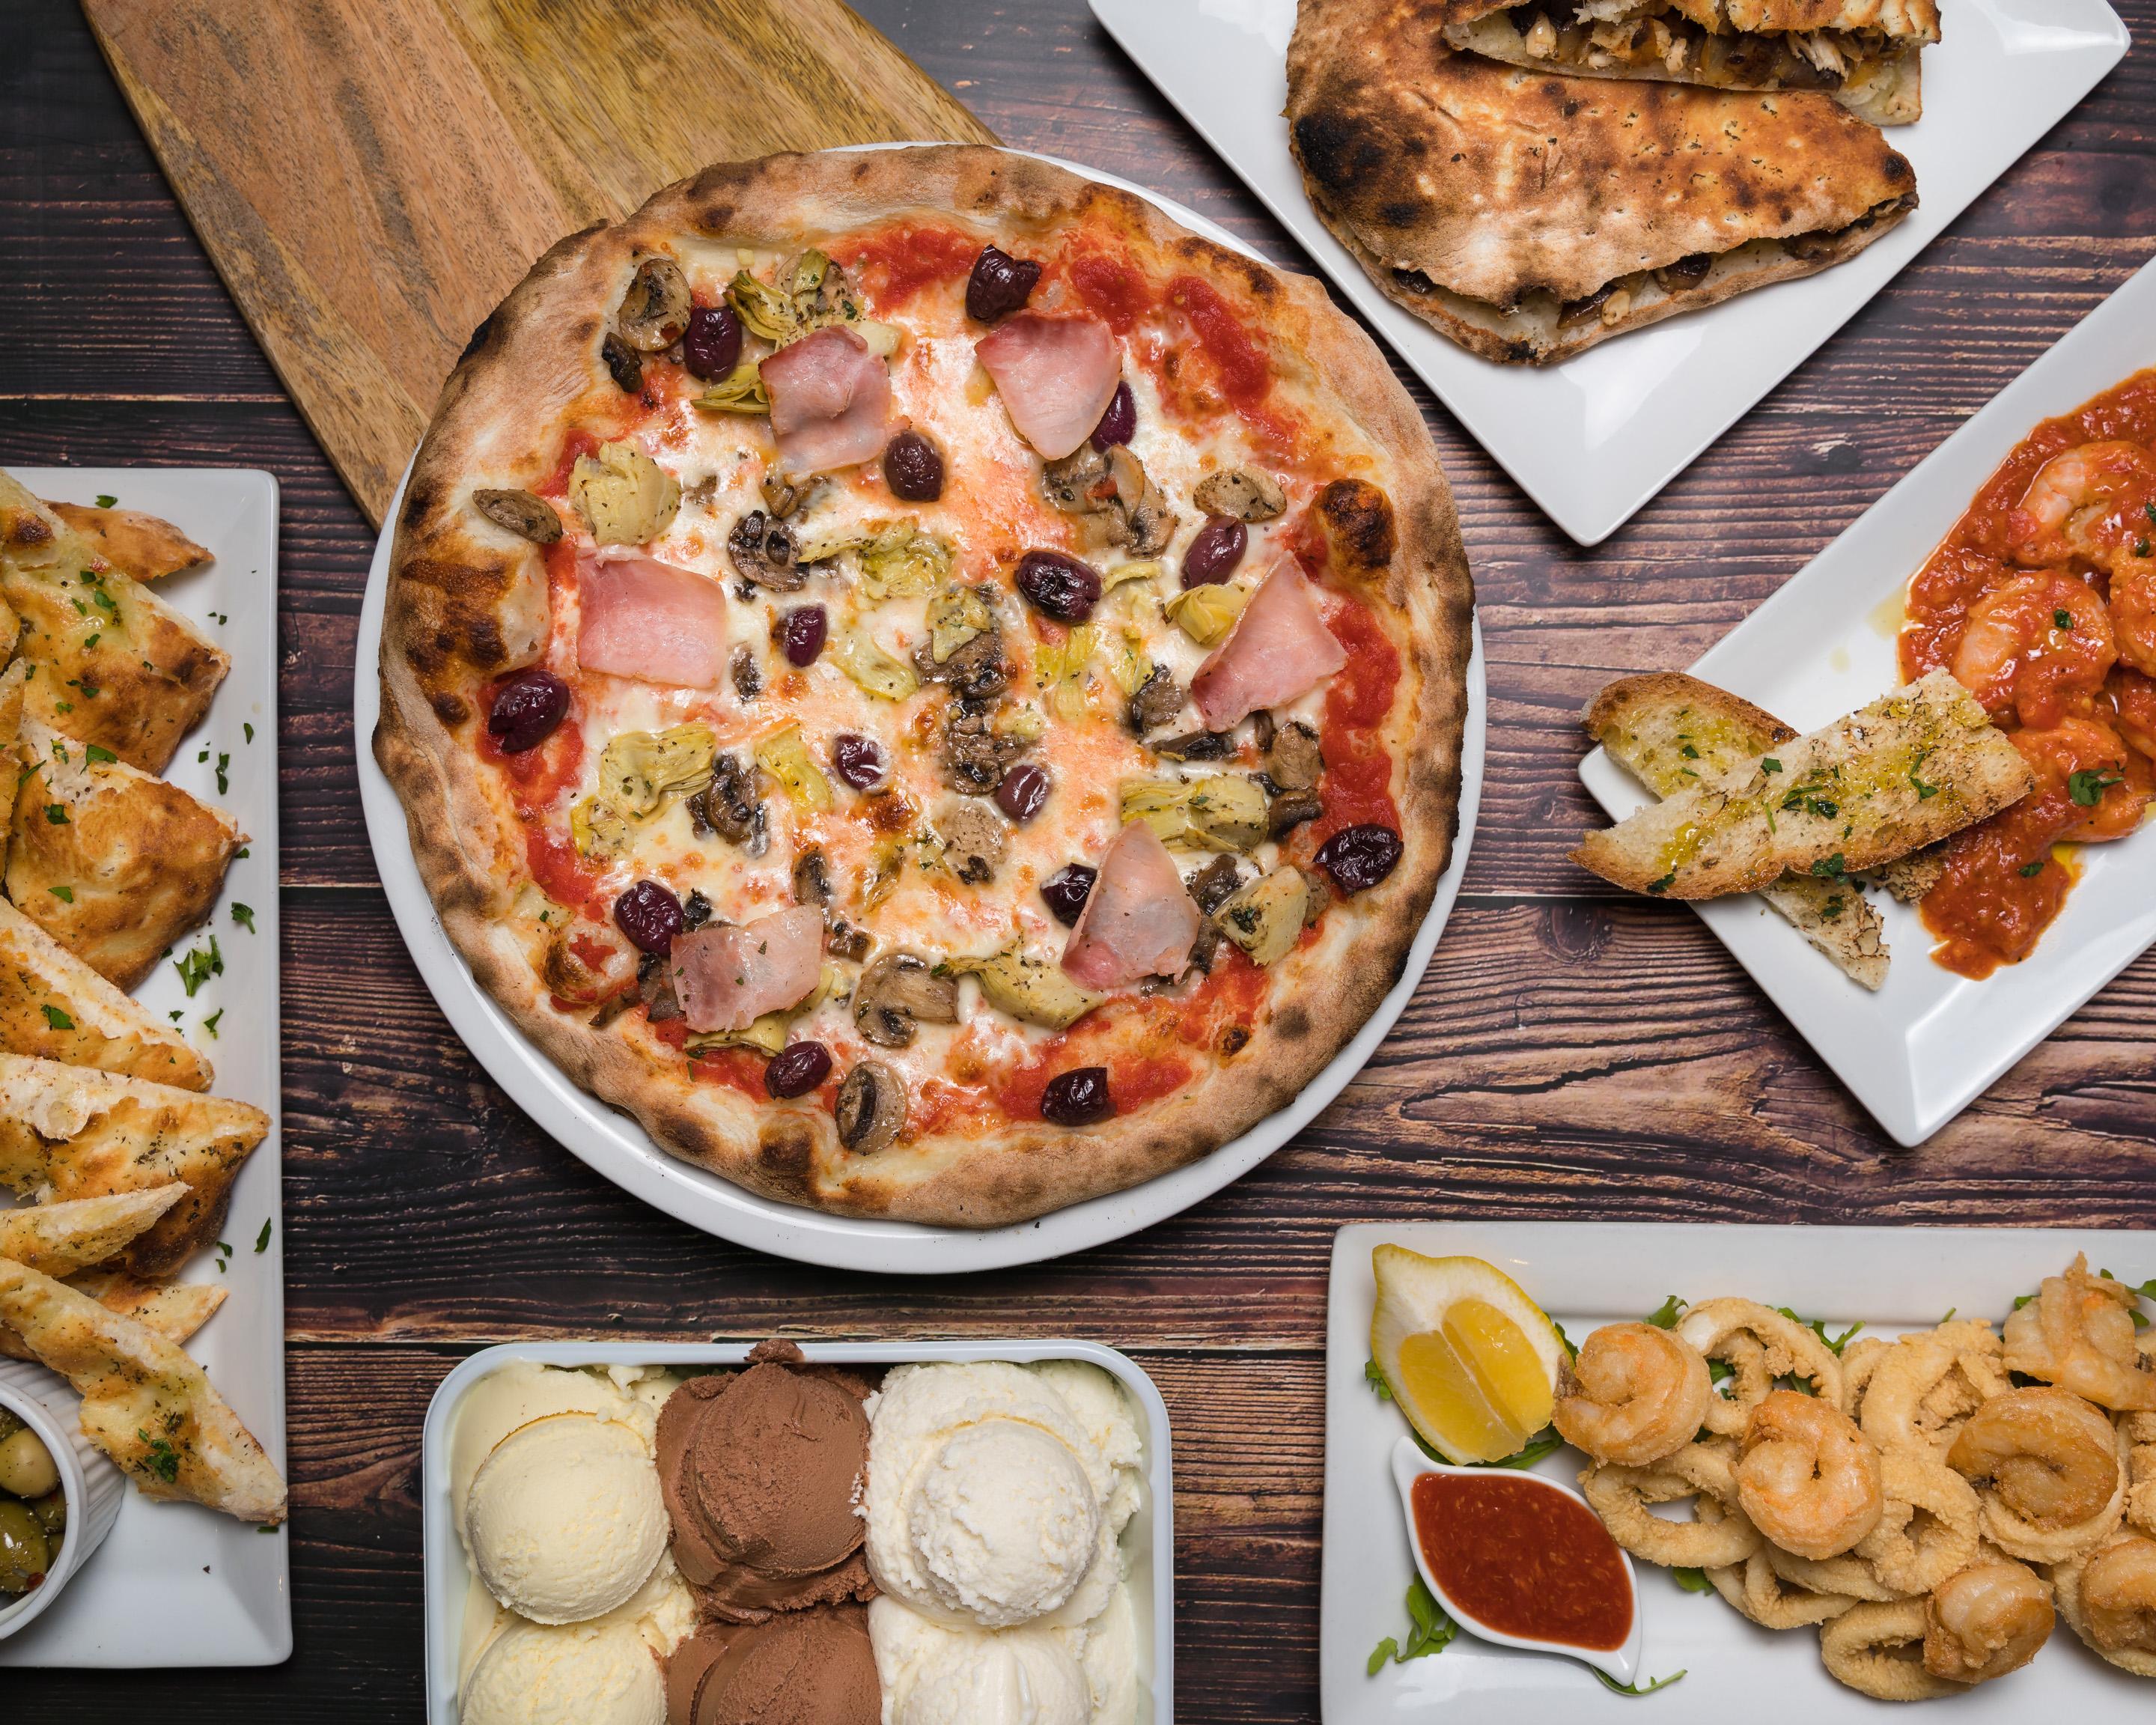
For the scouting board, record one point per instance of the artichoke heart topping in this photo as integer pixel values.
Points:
(874, 670)
(1033, 990)
(956, 616)
(786, 757)
(1219, 812)
(638, 770)
(741, 391)
(1265, 917)
(809, 294)
(1206, 613)
(624, 496)
(1061, 670)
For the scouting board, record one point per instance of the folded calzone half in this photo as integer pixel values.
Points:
(1862, 52)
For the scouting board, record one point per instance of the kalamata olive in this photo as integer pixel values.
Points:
(999, 285)
(1119, 422)
(1025, 788)
(711, 347)
(1078, 1098)
(1058, 586)
(804, 632)
(650, 916)
(527, 708)
(859, 761)
(1066, 891)
(1218, 546)
(796, 1068)
(913, 468)
(1357, 857)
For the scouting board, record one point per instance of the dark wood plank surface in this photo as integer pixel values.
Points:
(1569, 1055)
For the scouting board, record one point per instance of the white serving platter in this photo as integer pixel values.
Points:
(1588, 1274)
(1929, 1043)
(174, 1583)
(1149, 1542)
(1594, 438)
(613, 1144)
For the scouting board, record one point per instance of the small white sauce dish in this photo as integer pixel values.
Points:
(1621, 1665)
(93, 1486)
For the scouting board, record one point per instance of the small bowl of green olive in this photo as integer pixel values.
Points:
(59, 1496)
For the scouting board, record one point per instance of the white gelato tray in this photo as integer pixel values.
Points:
(1149, 1542)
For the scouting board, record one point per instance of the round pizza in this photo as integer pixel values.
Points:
(935, 689)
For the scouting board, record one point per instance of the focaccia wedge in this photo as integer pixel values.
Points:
(112, 862)
(145, 547)
(1672, 732)
(110, 663)
(60, 1238)
(54, 1006)
(175, 1310)
(1865, 54)
(1529, 216)
(70, 1131)
(1903, 772)
(144, 1404)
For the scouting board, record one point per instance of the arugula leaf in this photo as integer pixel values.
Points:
(198, 967)
(105, 500)
(1615, 1687)
(97, 753)
(1430, 1631)
(1692, 1581)
(1665, 1315)
(1376, 1379)
(243, 915)
(262, 1239)
(1818, 1327)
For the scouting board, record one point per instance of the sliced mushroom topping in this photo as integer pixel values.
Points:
(783, 495)
(1215, 884)
(654, 311)
(812, 879)
(655, 985)
(1195, 745)
(974, 840)
(1110, 490)
(696, 911)
(1243, 493)
(1289, 810)
(623, 364)
(764, 550)
(729, 807)
(1148, 523)
(1154, 702)
(871, 1111)
(521, 513)
(975, 755)
(1685, 273)
(975, 671)
(898, 994)
(1293, 760)
(748, 680)
(842, 940)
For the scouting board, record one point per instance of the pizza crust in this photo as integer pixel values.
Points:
(466, 601)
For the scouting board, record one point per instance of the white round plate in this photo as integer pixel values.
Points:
(613, 1144)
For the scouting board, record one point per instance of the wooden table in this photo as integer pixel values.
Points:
(1571, 1054)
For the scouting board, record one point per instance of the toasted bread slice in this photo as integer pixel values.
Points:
(60, 1238)
(148, 1406)
(113, 864)
(175, 1310)
(55, 1007)
(145, 547)
(1909, 878)
(72, 1131)
(1903, 772)
(13, 681)
(1672, 731)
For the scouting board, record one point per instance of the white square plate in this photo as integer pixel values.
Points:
(1586, 1274)
(1148, 1541)
(1593, 439)
(174, 1583)
(1928, 1043)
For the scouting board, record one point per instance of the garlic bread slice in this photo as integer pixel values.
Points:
(145, 547)
(55, 1007)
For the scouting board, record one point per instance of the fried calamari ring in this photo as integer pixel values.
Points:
(1918, 1390)
(2051, 1471)
(1807, 1477)
(1753, 1589)
(2078, 1333)
(2108, 1597)
(1929, 1529)
(1878, 1650)
(1986, 1619)
(1759, 1345)
(1621, 1495)
(1850, 1575)
(1859, 1361)
(1635, 1394)
(2139, 1431)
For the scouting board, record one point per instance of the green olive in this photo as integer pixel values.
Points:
(26, 1470)
(51, 1512)
(24, 1553)
(10, 1424)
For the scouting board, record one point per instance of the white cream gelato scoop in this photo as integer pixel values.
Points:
(565, 1520)
(932, 1675)
(584, 1674)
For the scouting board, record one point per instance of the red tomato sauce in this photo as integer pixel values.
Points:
(1111, 287)
(1524, 1559)
(2002, 887)
(891, 264)
(562, 875)
(1357, 787)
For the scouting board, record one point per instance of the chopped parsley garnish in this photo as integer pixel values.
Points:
(243, 915)
(1689, 752)
(209, 1024)
(1925, 793)
(223, 1255)
(2030, 870)
(2086, 786)
(91, 640)
(1769, 764)
(105, 500)
(249, 730)
(56, 814)
(224, 784)
(65, 894)
(198, 967)
(1663, 884)
(2063, 618)
(164, 1460)
(97, 754)
(56, 1019)
(1830, 868)
(262, 1239)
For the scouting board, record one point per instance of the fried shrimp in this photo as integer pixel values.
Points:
(1635, 1394)
(1929, 1528)
(2139, 1431)
(2050, 1469)
(1807, 1477)
(1621, 1495)
(1878, 1650)
(1759, 1345)
(1986, 1620)
(2078, 1333)
(2109, 1598)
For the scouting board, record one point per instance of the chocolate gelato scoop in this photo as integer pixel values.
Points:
(813, 1667)
(761, 1471)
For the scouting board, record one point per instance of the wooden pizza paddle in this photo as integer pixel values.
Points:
(370, 177)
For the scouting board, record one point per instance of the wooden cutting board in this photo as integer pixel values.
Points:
(370, 177)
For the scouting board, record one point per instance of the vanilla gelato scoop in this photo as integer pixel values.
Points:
(585, 1674)
(937, 1675)
(564, 1520)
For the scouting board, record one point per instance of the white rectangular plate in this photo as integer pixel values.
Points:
(1593, 439)
(1585, 1274)
(1929, 1043)
(1149, 1540)
(174, 1583)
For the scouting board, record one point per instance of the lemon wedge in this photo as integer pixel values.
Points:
(1468, 1359)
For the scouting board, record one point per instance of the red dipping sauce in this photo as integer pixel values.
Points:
(1524, 1560)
